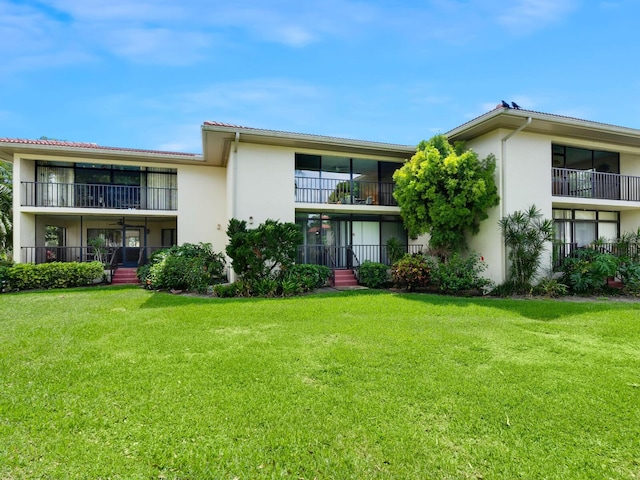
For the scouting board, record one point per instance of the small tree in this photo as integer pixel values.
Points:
(99, 248)
(445, 191)
(256, 254)
(525, 234)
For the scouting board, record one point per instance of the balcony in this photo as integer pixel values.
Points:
(106, 255)
(78, 195)
(595, 185)
(350, 192)
(622, 249)
(351, 256)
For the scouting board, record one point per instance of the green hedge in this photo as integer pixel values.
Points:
(27, 276)
(185, 267)
(373, 274)
(295, 280)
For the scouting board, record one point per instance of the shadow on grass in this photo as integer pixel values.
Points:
(162, 299)
(532, 308)
(535, 309)
(167, 299)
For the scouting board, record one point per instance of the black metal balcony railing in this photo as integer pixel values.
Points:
(79, 195)
(108, 255)
(598, 185)
(330, 190)
(68, 254)
(620, 249)
(348, 256)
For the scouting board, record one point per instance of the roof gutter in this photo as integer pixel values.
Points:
(503, 176)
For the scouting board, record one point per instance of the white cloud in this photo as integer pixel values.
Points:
(172, 32)
(104, 11)
(35, 41)
(177, 138)
(525, 16)
(268, 102)
(24, 29)
(158, 45)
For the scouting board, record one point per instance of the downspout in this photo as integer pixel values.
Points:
(234, 210)
(503, 176)
(234, 198)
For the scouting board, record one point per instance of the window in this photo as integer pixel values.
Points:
(54, 237)
(345, 240)
(65, 184)
(583, 227)
(169, 237)
(335, 179)
(584, 159)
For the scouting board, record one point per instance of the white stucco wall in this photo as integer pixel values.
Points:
(525, 162)
(630, 164)
(202, 205)
(265, 184)
(488, 242)
(629, 221)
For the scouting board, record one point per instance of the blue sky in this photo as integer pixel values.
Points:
(146, 74)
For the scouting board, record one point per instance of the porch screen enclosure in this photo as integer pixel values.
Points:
(345, 241)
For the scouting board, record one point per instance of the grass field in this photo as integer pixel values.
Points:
(126, 383)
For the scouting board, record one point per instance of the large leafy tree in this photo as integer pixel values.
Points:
(6, 209)
(446, 191)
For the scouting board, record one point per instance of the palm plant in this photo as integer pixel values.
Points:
(525, 234)
(6, 210)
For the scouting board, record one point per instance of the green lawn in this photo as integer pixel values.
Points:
(126, 383)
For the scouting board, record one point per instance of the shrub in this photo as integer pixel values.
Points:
(259, 253)
(628, 245)
(265, 287)
(306, 277)
(551, 287)
(457, 274)
(508, 289)
(412, 271)
(395, 251)
(4, 276)
(289, 287)
(373, 274)
(26, 276)
(225, 290)
(587, 270)
(185, 267)
(291, 281)
(629, 273)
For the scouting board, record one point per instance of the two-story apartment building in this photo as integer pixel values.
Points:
(339, 191)
(585, 175)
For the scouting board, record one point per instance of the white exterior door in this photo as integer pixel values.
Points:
(365, 239)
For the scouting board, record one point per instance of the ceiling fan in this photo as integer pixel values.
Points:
(121, 223)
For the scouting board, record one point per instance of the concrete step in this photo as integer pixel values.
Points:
(344, 278)
(124, 276)
(613, 283)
